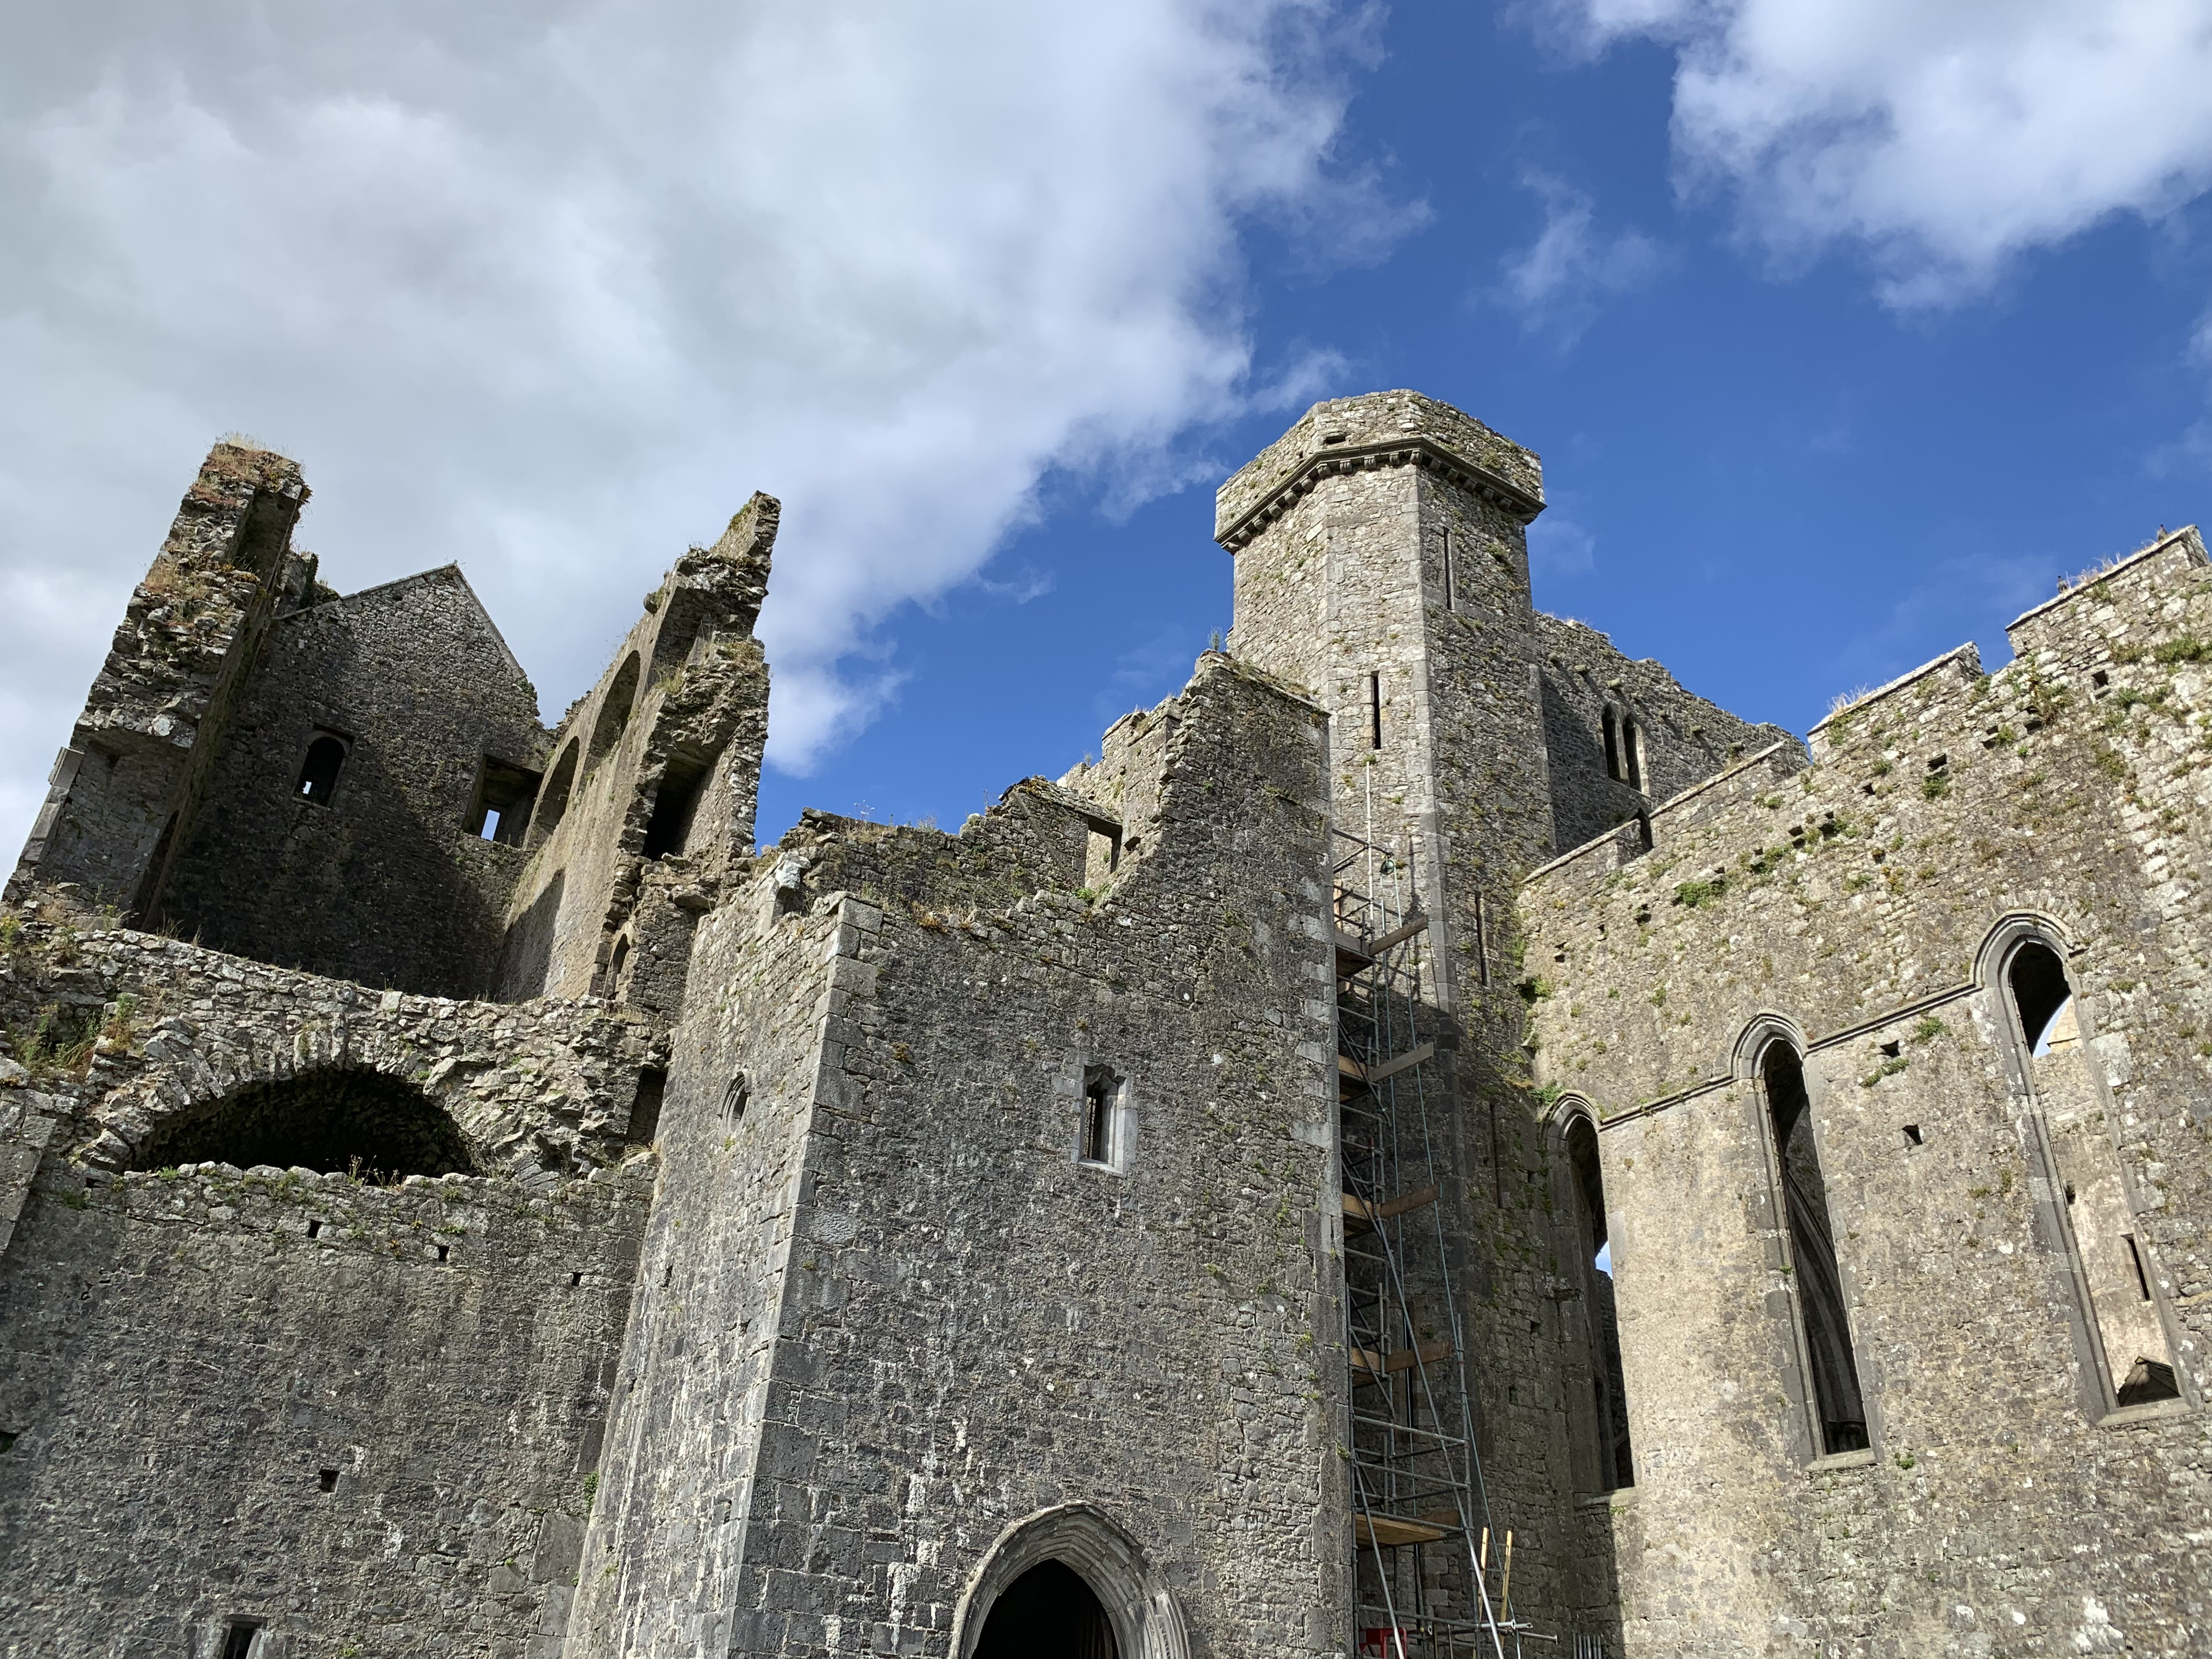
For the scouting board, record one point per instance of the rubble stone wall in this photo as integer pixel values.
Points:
(366, 1418)
(1680, 737)
(647, 806)
(124, 791)
(942, 1321)
(1862, 910)
(383, 881)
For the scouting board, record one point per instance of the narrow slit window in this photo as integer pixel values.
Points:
(2114, 1270)
(1612, 724)
(319, 772)
(1616, 1465)
(1101, 1095)
(1450, 597)
(1631, 747)
(1816, 1282)
(1375, 711)
(1482, 945)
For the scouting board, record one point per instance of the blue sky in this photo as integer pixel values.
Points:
(1843, 330)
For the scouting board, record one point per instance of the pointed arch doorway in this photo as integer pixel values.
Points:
(1068, 1583)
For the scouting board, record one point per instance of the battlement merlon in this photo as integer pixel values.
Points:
(1378, 429)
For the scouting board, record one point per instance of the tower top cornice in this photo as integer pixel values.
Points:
(1375, 430)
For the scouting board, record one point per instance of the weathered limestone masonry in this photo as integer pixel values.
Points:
(381, 880)
(132, 775)
(905, 1329)
(650, 806)
(360, 1415)
(2018, 1221)
(1381, 560)
(889, 1243)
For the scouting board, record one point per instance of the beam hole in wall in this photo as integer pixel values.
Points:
(614, 712)
(1912, 1134)
(327, 1479)
(334, 1120)
(314, 1230)
(318, 771)
(1050, 1609)
(1816, 1282)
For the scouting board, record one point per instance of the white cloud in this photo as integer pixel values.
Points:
(1558, 281)
(551, 290)
(1944, 137)
(1560, 548)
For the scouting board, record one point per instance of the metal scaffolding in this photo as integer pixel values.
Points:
(1432, 1578)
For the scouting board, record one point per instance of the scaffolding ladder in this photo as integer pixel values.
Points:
(1431, 1578)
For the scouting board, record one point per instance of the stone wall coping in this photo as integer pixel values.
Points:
(2187, 535)
(1412, 449)
(1968, 652)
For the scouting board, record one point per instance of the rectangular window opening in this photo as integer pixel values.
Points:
(237, 1638)
(674, 806)
(314, 1229)
(505, 794)
(327, 1479)
(1375, 711)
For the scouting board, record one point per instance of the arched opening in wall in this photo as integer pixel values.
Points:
(553, 799)
(1632, 750)
(1616, 1467)
(337, 1121)
(1048, 1613)
(1815, 1280)
(1612, 723)
(318, 771)
(614, 712)
(2113, 1261)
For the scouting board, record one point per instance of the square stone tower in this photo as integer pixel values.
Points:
(1382, 563)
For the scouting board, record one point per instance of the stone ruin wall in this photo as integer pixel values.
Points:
(368, 1415)
(1858, 908)
(134, 769)
(385, 882)
(681, 712)
(941, 1322)
(1683, 739)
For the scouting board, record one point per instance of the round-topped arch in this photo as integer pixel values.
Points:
(1026, 1576)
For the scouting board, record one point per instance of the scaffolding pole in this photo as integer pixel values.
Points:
(1421, 1516)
